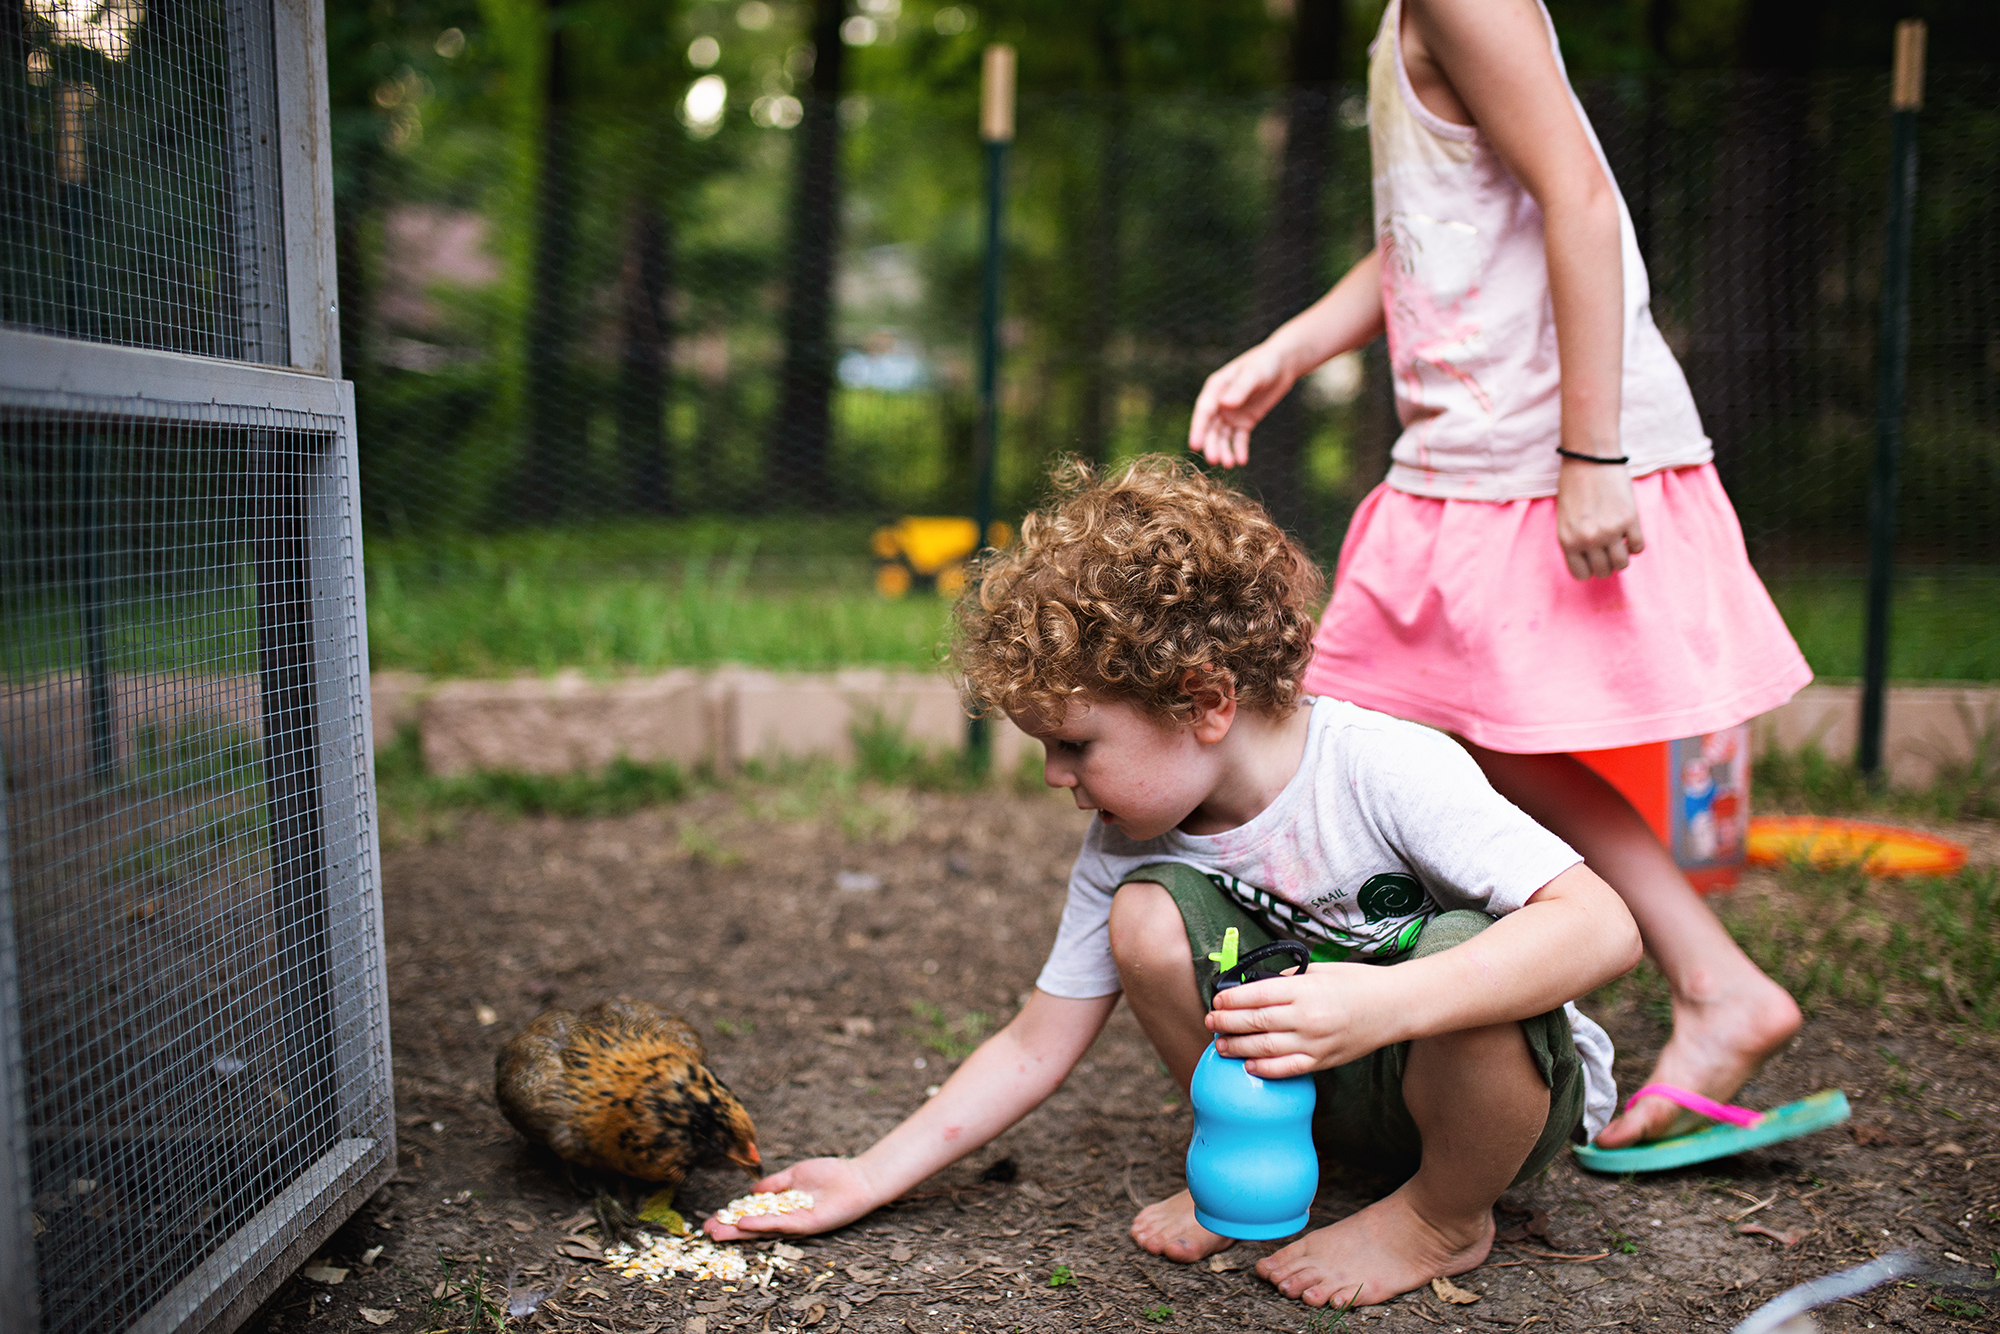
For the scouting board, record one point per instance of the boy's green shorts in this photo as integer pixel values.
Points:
(1360, 1117)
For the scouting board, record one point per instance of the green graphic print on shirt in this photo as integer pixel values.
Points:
(1393, 908)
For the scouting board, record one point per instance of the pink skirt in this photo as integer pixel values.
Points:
(1461, 614)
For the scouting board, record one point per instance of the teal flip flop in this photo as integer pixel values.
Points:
(1742, 1129)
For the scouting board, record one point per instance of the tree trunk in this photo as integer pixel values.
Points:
(1289, 269)
(644, 341)
(795, 459)
(555, 456)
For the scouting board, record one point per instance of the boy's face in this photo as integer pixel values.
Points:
(1142, 775)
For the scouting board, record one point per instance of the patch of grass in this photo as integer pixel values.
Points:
(1930, 943)
(1956, 1306)
(416, 803)
(460, 1304)
(1621, 1242)
(643, 597)
(1061, 1277)
(1159, 1313)
(884, 753)
(1942, 627)
(1331, 1319)
(205, 751)
(1811, 781)
(953, 1039)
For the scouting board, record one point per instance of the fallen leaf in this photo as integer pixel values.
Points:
(375, 1317)
(578, 1249)
(660, 1209)
(696, 1324)
(785, 1251)
(1759, 1230)
(1448, 1291)
(324, 1273)
(861, 1274)
(815, 1315)
(1929, 1233)
(370, 1256)
(901, 1253)
(1868, 1135)
(1224, 1261)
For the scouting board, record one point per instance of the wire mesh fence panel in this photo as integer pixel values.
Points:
(1760, 203)
(139, 191)
(193, 905)
(635, 377)
(187, 808)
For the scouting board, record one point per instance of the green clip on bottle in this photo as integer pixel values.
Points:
(1251, 1165)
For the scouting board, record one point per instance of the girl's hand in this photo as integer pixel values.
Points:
(1597, 520)
(1293, 1025)
(841, 1193)
(1233, 400)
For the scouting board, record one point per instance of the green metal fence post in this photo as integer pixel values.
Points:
(996, 131)
(1905, 99)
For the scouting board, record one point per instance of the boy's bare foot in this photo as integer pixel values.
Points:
(1717, 1045)
(1386, 1249)
(1168, 1228)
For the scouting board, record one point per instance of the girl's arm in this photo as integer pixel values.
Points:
(1489, 61)
(1573, 935)
(1009, 1076)
(1235, 398)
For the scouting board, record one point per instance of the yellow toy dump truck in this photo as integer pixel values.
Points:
(929, 553)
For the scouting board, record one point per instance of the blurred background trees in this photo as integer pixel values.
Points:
(631, 261)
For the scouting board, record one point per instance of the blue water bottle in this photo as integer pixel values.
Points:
(1251, 1165)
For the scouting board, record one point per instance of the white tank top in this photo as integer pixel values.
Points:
(1465, 291)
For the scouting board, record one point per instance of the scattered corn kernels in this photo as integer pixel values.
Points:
(694, 1255)
(764, 1204)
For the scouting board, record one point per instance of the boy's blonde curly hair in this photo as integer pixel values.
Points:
(1124, 583)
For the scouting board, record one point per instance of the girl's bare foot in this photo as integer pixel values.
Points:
(1168, 1228)
(1386, 1249)
(1717, 1045)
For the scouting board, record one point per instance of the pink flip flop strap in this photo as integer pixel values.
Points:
(1694, 1102)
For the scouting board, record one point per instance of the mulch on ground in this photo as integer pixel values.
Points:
(829, 1001)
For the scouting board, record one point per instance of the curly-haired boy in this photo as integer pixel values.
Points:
(1151, 628)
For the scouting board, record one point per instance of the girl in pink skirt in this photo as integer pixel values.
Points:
(1551, 565)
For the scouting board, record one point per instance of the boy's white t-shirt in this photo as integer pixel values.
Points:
(1385, 825)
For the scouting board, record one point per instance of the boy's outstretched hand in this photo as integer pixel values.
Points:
(840, 1190)
(1328, 1015)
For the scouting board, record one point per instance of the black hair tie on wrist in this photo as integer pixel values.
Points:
(1592, 458)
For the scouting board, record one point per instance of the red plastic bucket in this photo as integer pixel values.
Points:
(1694, 793)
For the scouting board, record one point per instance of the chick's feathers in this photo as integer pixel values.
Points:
(622, 1088)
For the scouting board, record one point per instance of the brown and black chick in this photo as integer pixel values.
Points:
(622, 1088)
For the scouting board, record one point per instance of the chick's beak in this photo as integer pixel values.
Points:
(747, 1158)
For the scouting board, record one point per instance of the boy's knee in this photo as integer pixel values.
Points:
(1146, 926)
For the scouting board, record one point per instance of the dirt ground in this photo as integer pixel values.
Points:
(825, 1004)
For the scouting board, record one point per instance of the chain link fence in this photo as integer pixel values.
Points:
(596, 365)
